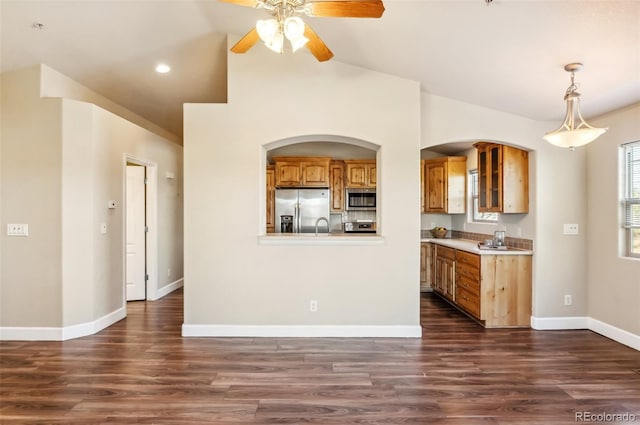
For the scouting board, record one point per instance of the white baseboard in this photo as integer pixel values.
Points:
(602, 328)
(616, 334)
(31, 333)
(302, 331)
(63, 333)
(558, 323)
(167, 289)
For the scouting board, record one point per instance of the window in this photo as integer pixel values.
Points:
(477, 215)
(631, 201)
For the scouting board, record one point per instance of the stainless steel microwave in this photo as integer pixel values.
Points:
(360, 200)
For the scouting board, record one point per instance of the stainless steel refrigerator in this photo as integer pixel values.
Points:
(306, 206)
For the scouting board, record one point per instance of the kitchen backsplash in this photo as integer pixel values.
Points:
(358, 215)
(519, 243)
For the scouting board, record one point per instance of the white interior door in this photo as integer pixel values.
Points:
(135, 228)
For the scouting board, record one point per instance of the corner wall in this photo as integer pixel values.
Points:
(77, 272)
(614, 280)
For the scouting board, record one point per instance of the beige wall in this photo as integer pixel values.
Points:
(31, 275)
(614, 281)
(235, 281)
(79, 275)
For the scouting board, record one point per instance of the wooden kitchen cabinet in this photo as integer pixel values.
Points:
(422, 162)
(426, 266)
(360, 173)
(271, 198)
(301, 171)
(505, 290)
(494, 289)
(445, 185)
(468, 282)
(503, 178)
(445, 272)
(336, 186)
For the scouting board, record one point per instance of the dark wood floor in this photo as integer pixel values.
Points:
(141, 370)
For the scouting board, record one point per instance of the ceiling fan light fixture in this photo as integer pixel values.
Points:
(267, 29)
(298, 43)
(294, 31)
(285, 23)
(276, 43)
(574, 130)
(293, 27)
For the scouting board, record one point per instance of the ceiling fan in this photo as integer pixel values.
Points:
(285, 22)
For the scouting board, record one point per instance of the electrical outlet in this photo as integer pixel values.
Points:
(313, 306)
(17, 230)
(103, 228)
(567, 300)
(571, 229)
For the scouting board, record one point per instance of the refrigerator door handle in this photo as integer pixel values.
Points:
(295, 218)
(298, 220)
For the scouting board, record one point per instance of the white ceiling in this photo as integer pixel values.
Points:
(508, 55)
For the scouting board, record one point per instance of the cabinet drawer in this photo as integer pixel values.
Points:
(470, 285)
(469, 272)
(467, 258)
(468, 301)
(443, 251)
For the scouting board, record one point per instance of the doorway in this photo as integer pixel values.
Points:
(140, 238)
(136, 233)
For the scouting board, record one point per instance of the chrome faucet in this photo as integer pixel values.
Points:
(318, 222)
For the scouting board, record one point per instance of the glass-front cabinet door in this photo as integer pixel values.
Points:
(490, 177)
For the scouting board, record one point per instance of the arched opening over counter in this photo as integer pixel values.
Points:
(321, 185)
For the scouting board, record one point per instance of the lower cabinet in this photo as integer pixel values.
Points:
(468, 282)
(445, 272)
(427, 251)
(494, 289)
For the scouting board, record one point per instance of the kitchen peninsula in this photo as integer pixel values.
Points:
(491, 286)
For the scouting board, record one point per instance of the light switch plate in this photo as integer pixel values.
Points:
(17, 230)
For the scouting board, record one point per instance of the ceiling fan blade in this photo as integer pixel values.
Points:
(248, 3)
(346, 9)
(316, 46)
(246, 42)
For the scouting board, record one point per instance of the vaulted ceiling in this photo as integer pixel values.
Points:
(506, 55)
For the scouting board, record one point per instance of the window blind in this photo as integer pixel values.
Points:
(631, 202)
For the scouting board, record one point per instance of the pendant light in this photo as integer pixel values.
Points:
(574, 130)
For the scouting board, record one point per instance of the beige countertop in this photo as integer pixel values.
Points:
(472, 246)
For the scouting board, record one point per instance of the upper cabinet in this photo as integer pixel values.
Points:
(271, 198)
(360, 173)
(301, 171)
(444, 185)
(503, 178)
(336, 176)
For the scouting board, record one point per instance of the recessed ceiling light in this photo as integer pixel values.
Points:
(163, 68)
